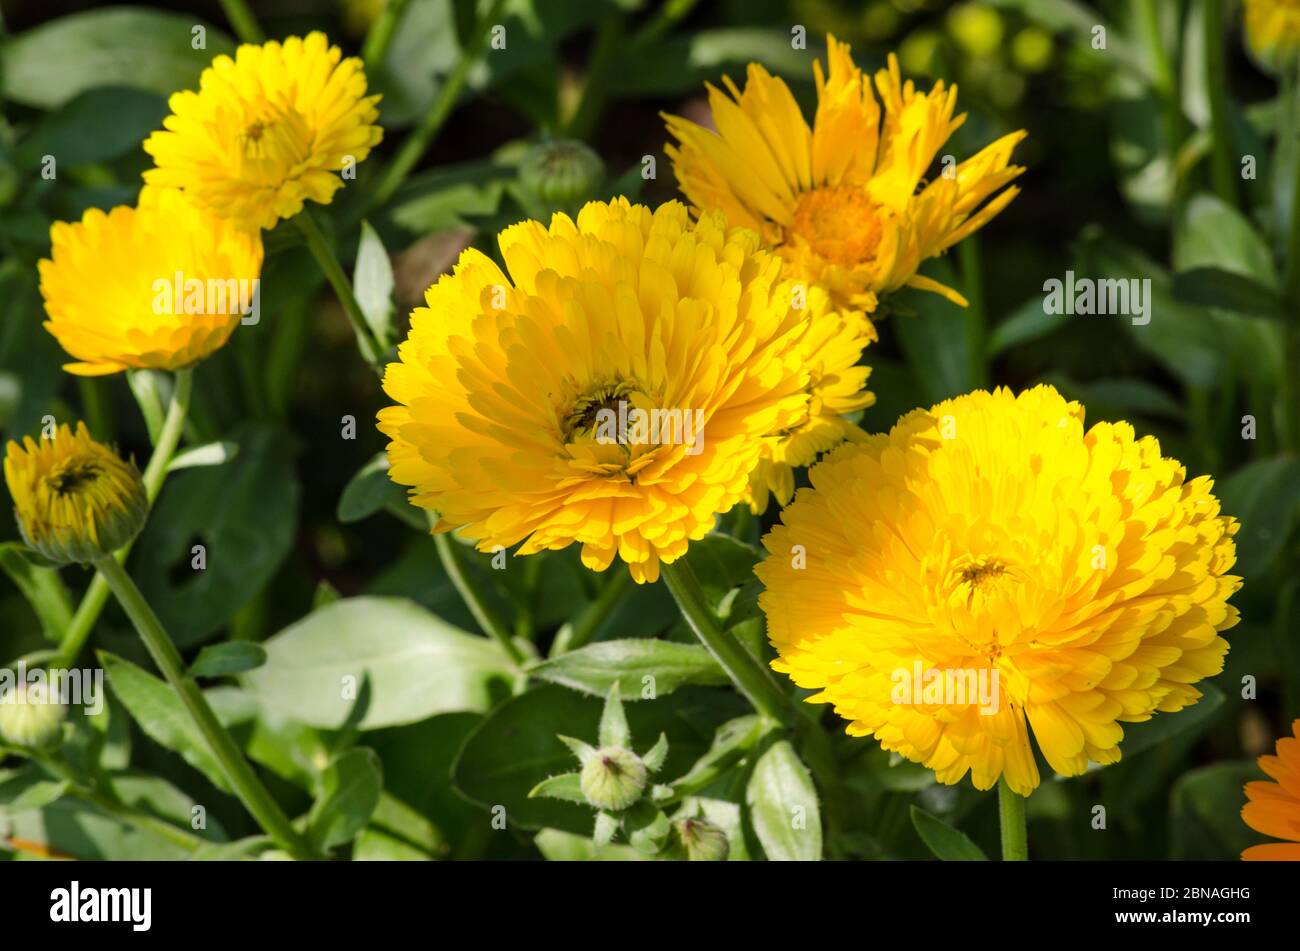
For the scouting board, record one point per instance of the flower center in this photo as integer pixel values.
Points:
(840, 223)
(975, 579)
(73, 475)
(272, 143)
(595, 408)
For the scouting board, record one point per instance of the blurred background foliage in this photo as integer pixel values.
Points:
(1121, 183)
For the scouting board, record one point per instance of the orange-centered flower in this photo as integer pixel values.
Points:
(860, 199)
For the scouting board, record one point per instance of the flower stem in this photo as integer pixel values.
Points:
(580, 633)
(255, 797)
(1216, 85)
(453, 561)
(242, 20)
(418, 141)
(381, 33)
(155, 473)
(750, 677)
(1164, 82)
(1015, 835)
(329, 264)
(1290, 394)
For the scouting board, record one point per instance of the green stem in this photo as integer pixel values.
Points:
(1165, 80)
(1291, 353)
(242, 20)
(750, 677)
(456, 566)
(255, 797)
(976, 316)
(595, 86)
(1015, 834)
(381, 33)
(155, 473)
(580, 633)
(670, 12)
(1216, 83)
(418, 141)
(329, 264)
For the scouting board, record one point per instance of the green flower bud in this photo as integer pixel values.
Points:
(32, 719)
(562, 172)
(701, 840)
(613, 778)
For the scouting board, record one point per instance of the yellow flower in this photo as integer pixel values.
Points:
(267, 130)
(1272, 27)
(1274, 808)
(837, 385)
(988, 569)
(612, 390)
(75, 500)
(845, 201)
(159, 286)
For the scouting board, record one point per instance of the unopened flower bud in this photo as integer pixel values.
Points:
(701, 840)
(75, 500)
(561, 173)
(30, 717)
(613, 778)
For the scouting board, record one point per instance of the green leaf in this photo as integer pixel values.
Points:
(721, 563)
(783, 806)
(417, 762)
(373, 284)
(566, 786)
(516, 747)
(1163, 727)
(647, 828)
(213, 454)
(682, 62)
(371, 490)
(1264, 495)
(732, 741)
(41, 586)
(947, 843)
(225, 660)
(161, 715)
(1029, 321)
(417, 665)
(397, 833)
(244, 513)
(558, 846)
(595, 668)
(1205, 813)
(655, 756)
(1181, 338)
(933, 334)
(1215, 287)
(1118, 398)
(350, 789)
(613, 721)
(144, 49)
(73, 828)
(1212, 234)
(97, 125)
(29, 789)
(239, 850)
